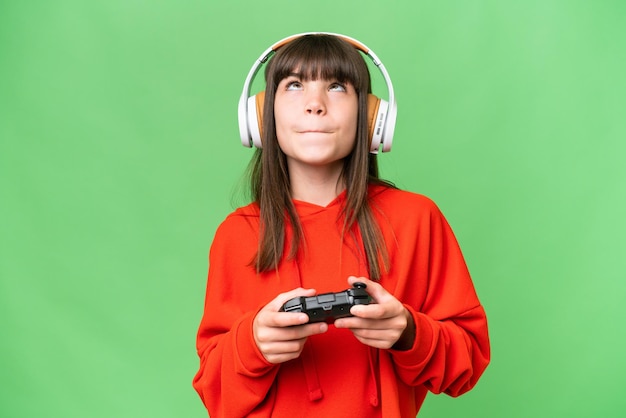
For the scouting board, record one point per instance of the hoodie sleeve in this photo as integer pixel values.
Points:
(451, 348)
(233, 375)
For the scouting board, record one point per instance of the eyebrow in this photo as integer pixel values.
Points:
(299, 76)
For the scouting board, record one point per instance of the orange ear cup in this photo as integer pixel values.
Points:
(259, 99)
(373, 104)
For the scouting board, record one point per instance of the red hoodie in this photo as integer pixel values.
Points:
(336, 375)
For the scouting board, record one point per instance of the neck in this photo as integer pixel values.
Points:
(319, 187)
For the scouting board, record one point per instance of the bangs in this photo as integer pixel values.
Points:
(323, 57)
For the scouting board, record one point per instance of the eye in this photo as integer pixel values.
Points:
(293, 85)
(338, 87)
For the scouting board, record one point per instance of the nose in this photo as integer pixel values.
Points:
(315, 103)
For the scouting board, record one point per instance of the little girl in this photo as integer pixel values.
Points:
(321, 219)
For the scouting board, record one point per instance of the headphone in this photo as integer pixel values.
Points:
(381, 113)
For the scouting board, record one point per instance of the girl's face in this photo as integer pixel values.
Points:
(316, 121)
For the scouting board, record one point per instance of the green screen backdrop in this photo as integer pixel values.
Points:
(119, 156)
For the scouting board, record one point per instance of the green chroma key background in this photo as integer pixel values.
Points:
(120, 155)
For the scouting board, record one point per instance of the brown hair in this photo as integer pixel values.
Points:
(317, 56)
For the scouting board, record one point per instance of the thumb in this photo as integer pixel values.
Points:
(279, 300)
(374, 289)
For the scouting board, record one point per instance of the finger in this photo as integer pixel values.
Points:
(287, 319)
(376, 343)
(290, 348)
(374, 289)
(278, 352)
(300, 332)
(279, 300)
(372, 311)
(307, 330)
(356, 323)
(272, 319)
(289, 333)
(379, 338)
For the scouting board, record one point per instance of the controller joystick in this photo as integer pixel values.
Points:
(327, 307)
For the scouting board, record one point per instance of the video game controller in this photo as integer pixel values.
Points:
(329, 306)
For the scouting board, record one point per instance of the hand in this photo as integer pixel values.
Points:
(280, 336)
(385, 324)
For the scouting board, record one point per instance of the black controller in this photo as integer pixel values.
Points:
(329, 306)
